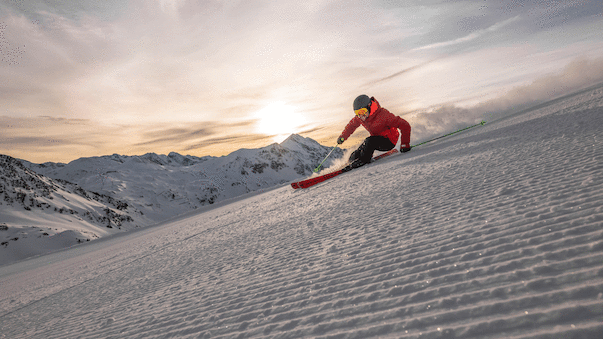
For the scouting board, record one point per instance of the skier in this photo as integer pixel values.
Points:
(381, 124)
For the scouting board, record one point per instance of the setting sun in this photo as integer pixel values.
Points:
(278, 120)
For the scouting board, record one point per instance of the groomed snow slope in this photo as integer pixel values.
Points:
(493, 233)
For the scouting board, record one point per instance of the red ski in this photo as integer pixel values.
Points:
(316, 180)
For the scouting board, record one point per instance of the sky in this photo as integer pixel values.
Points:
(90, 78)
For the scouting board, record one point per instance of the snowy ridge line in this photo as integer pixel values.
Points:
(495, 233)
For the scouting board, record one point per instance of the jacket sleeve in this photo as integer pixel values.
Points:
(404, 128)
(350, 128)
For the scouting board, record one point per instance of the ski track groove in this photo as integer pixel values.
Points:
(510, 250)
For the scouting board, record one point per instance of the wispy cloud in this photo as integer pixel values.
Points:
(397, 74)
(34, 138)
(195, 133)
(470, 37)
(222, 143)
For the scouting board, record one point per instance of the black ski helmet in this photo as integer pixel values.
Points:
(362, 101)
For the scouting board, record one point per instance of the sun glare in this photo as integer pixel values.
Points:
(278, 120)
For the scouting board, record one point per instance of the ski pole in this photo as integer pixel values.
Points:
(319, 165)
(483, 122)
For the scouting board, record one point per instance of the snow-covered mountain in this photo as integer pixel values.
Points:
(163, 186)
(496, 232)
(116, 193)
(38, 214)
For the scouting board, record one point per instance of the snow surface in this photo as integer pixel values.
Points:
(493, 233)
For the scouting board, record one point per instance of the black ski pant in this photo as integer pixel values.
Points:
(364, 153)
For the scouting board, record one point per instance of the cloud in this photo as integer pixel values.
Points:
(194, 133)
(37, 139)
(60, 139)
(64, 121)
(226, 143)
(579, 74)
(168, 56)
(402, 72)
(470, 37)
(454, 27)
(56, 51)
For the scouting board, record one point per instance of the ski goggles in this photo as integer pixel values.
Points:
(362, 113)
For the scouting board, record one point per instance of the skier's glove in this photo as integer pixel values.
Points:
(340, 141)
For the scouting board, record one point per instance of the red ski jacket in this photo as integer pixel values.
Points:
(380, 122)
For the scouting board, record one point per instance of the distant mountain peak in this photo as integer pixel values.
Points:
(297, 138)
(293, 137)
(297, 142)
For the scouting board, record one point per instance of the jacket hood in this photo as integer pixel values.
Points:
(374, 106)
